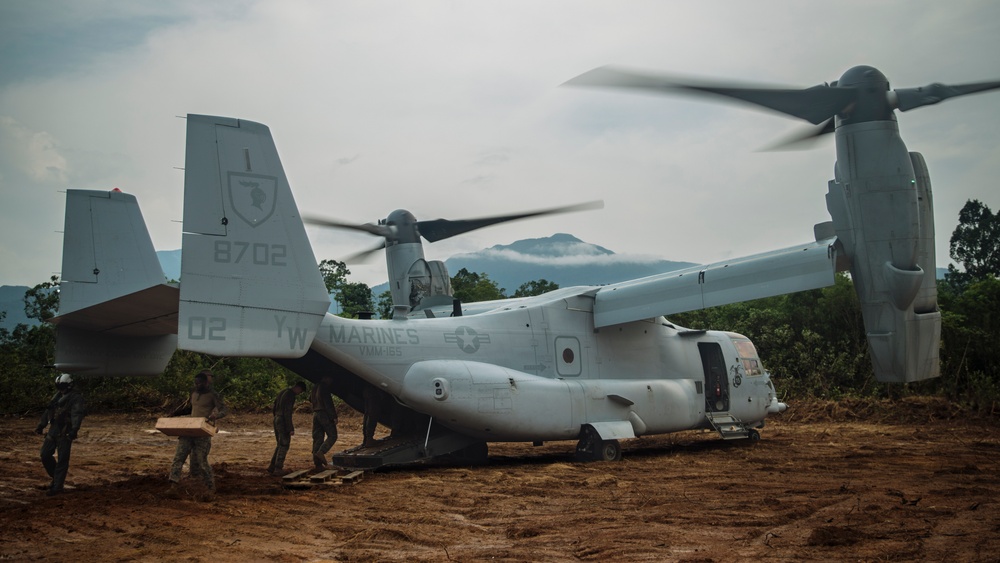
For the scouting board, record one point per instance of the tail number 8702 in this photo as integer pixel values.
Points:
(258, 253)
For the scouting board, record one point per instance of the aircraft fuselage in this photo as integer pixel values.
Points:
(539, 370)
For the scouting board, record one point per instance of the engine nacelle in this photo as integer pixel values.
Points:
(885, 226)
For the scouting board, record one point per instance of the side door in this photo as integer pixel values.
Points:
(716, 383)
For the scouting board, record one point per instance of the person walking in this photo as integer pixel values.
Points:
(324, 431)
(63, 416)
(284, 428)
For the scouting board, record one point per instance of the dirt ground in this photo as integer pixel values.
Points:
(826, 482)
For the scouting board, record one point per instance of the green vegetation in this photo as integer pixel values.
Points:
(470, 287)
(812, 342)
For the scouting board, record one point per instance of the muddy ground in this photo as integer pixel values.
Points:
(902, 482)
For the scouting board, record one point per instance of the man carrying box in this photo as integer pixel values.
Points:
(205, 403)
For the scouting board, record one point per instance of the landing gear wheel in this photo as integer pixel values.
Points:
(592, 448)
(610, 450)
(753, 436)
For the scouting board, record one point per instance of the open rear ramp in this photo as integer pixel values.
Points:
(440, 446)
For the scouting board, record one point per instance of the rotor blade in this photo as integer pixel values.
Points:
(803, 139)
(364, 255)
(911, 98)
(377, 230)
(440, 229)
(815, 104)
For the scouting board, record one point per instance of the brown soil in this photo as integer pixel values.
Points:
(826, 482)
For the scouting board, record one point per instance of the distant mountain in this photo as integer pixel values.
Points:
(560, 258)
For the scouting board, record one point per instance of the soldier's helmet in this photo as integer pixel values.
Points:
(64, 382)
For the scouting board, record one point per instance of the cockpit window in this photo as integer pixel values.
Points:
(748, 356)
(751, 366)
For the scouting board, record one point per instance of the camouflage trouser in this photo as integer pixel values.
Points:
(324, 432)
(56, 469)
(198, 449)
(283, 436)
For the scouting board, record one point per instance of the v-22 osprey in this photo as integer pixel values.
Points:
(592, 364)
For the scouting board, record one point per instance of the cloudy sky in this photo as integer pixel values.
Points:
(454, 109)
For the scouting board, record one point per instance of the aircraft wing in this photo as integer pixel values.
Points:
(797, 268)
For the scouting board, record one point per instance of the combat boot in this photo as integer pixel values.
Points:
(173, 491)
(320, 460)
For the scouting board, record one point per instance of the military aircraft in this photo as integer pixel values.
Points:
(415, 283)
(592, 364)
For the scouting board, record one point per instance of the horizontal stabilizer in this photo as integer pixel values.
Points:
(151, 311)
(250, 282)
(104, 353)
(797, 268)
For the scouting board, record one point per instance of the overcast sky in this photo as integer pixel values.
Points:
(454, 109)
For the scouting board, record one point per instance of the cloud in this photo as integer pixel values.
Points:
(32, 155)
(457, 109)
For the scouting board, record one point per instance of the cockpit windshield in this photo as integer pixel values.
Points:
(748, 356)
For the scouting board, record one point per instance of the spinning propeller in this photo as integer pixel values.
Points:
(402, 227)
(862, 94)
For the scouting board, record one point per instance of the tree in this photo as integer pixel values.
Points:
(975, 243)
(42, 301)
(354, 298)
(535, 287)
(334, 275)
(970, 331)
(470, 287)
(385, 306)
(27, 350)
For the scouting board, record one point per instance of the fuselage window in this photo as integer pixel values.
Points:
(568, 356)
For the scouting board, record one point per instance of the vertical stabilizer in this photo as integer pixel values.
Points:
(107, 251)
(250, 284)
(117, 314)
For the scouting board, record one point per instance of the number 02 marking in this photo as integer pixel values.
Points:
(206, 328)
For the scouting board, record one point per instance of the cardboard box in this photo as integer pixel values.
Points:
(196, 427)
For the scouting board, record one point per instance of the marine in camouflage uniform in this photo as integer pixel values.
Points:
(373, 410)
(324, 431)
(284, 429)
(63, 416)
(206, 403)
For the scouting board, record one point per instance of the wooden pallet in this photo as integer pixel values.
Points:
(304, 479)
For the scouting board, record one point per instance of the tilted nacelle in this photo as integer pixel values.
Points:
(885, 228)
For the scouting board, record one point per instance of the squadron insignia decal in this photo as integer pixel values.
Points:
(252, 197)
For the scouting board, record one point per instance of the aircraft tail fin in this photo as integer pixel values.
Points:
(117, 314)
(250, 284)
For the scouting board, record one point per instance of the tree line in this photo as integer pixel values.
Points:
(812, 342)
